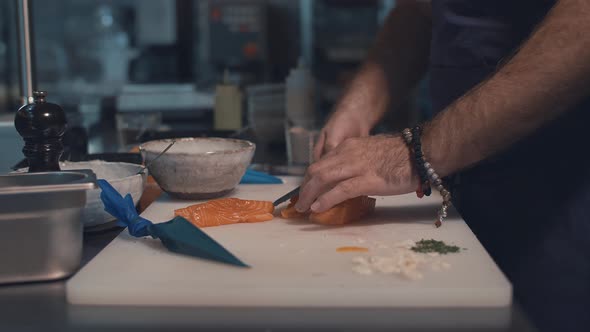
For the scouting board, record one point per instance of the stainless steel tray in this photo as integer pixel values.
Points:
(40, 225)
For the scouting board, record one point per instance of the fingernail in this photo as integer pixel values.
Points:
(298, 208)
(315, 206)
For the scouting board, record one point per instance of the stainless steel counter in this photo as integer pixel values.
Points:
(43, 307)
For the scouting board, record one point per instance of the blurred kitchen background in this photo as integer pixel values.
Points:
(128, 71)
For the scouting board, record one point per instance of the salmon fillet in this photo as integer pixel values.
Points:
(290, 213)
(346, 212)
(227, 211)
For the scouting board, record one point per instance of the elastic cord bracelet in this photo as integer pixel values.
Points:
(412, 138)
(428, 176)
(419, 159)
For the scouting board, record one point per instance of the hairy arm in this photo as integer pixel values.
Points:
(549, 74)
(395, 64)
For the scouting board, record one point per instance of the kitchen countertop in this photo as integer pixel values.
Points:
(43, 307)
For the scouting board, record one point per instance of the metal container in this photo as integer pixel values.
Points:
(40, 225)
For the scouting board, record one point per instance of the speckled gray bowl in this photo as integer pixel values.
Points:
(198, 168)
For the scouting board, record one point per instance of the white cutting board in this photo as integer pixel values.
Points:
(294, 263)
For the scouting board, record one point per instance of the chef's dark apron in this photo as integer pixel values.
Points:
(529, 205)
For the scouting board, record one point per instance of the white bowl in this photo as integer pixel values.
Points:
(198, 168)
(122, 176)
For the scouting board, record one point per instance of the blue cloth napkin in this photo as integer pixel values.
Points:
(177, 235)
(255, 177)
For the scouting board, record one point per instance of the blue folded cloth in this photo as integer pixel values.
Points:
(255, 177)
(177, 235)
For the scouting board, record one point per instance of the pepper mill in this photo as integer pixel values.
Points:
(42, 126)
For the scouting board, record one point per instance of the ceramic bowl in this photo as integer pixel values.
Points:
(122, 176)
(198, 168)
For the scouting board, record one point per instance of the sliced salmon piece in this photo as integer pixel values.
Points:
(290, 213)
(346, 212)
(227, 211)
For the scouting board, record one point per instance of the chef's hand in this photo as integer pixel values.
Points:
(375, 165)
(345, 122)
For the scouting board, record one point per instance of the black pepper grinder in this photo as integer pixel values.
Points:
(42, 126)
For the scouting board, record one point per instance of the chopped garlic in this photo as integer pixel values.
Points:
(362, 269)
(406, 244)
(360, 260)
(401, 261)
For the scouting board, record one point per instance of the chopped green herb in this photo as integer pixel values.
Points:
(426, 246)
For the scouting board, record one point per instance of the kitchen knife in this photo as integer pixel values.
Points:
(287, 196)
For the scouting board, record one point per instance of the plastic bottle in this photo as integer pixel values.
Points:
(300, 96)
(300, 109)
(228, 105)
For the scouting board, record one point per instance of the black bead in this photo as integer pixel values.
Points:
(416, 148)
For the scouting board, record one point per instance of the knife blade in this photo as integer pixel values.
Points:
(287, 196)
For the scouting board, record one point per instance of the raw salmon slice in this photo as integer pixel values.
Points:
(346, 212)
(227, 211)
(290, 213)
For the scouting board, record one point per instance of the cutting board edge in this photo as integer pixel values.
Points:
(296, 298)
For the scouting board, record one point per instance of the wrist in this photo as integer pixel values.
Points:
(414, 175)
(428, 176)
(434, 150)
(366, 97)
(352, 112)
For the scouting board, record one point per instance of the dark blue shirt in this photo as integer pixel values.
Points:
(530, 204)
(470, 38)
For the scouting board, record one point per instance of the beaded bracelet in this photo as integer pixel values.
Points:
(412, 139)
(419, 156)
(416, 150)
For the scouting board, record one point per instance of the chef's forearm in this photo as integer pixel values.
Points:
(395, 64)
(548, 75)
